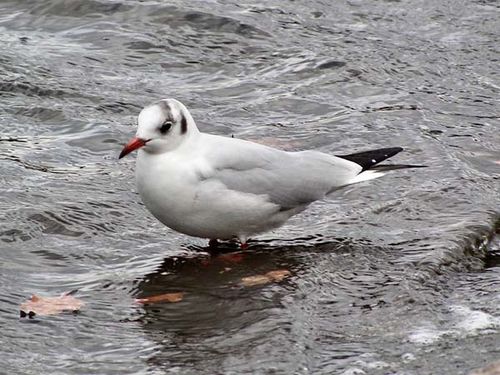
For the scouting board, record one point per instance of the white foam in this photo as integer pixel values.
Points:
(463, 322)
(426, 335)
(471, 321)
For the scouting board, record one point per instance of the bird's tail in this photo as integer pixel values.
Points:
(369, 161)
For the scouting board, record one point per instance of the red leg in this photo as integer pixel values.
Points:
(244, 246)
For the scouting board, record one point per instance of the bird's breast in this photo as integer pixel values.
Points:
(182, 195)
(166, 186)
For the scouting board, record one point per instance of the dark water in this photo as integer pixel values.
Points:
(397, 276)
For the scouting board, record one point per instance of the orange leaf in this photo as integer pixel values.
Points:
(278, 275)
(271, 276)
(167, 297)
(255, 280)
(491, 369)
(37, 305)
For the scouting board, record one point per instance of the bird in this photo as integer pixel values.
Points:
(224, 188)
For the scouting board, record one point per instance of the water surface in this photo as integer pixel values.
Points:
(397, 276)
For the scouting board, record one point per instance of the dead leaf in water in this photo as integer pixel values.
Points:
(255, 280)
(278, 275)
(37, 305)
(167, 297)
(269, 277)
(491, 369)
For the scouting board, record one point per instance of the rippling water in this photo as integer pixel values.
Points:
(398, 276)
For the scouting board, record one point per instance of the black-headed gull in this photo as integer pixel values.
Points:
(217, 187)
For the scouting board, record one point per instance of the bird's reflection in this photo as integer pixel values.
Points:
(218, 314)
(212, 284)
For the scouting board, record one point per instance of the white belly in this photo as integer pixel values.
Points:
(173, 193)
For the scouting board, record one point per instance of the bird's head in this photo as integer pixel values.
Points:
(162, 127)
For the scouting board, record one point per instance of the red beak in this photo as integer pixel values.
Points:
(132, 145)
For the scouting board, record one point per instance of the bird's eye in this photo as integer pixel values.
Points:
(165, 127)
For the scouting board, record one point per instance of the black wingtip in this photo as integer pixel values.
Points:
(368, 159)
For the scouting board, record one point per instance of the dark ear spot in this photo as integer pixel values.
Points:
(184, 124)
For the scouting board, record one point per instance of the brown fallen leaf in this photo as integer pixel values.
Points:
(271, 276)
(255, 280)
(491, 369)
(278, 275)
(37, 305)
(167, 297)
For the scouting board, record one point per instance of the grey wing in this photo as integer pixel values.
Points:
(288, 179)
